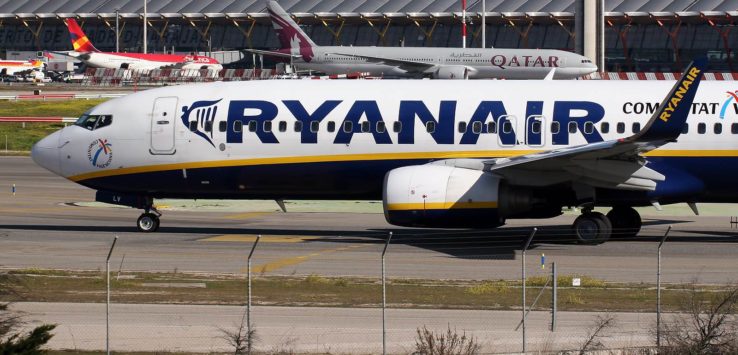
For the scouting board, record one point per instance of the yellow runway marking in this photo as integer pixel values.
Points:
(250, 238)
(282, 263)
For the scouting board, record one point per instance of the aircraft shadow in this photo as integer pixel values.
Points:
(501, 243)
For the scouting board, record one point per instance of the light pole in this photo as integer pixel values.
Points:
(145, 24)
(384, 298)
(117, 31)
(484, 23)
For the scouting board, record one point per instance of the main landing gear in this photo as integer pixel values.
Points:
(148, 222)
(595, 228)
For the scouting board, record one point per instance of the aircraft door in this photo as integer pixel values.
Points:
(534, 131)
(162, 126)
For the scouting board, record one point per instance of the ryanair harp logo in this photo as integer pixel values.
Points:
(200, 117)
(673, 102)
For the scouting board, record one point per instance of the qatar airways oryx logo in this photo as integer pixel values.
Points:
(731, 100)
(100, 153)
(292, 38)
(199, 118)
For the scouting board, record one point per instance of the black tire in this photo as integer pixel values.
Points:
(592, 228)
(626, 222)
(147, 223)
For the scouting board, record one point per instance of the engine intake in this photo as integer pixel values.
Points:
(449, 197)
(451, 72)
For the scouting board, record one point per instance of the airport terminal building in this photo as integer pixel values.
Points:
(646, 36)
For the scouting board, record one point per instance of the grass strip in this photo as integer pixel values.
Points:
(178, 288)
(20, 137)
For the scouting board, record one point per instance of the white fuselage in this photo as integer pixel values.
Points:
(253, 126)
(481, 63)
(117, 61)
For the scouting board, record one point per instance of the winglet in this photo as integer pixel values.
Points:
(667, 122)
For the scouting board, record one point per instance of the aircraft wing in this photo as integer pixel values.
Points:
(616, 164)
(407, 65)
(271, 53)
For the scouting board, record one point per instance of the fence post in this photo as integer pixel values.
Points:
(384, 297)
(554, 296)
(658, 289)
(107, 298)
(525, 248)
(248, 286)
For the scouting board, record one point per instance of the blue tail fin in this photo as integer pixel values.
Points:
(667, 122)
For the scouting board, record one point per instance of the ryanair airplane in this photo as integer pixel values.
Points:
(441, 153)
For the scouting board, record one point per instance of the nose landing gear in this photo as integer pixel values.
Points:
(148, 222)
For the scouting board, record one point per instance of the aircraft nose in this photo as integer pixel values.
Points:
(45, 152)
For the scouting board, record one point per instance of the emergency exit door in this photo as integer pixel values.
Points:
(162, 125)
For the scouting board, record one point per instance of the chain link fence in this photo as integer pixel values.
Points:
(324, 293)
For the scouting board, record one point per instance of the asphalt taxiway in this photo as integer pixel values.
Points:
(40, 226)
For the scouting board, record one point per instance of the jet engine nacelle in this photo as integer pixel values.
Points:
(449, 197)
(451, 72)
(445, 196)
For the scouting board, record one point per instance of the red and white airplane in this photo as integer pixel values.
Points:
(18, 67)
(91, 56)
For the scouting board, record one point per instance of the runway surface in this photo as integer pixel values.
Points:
(146, 327)
(38, 229)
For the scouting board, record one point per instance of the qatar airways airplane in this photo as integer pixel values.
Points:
(88, 54)
(439, 153)
(438, 63)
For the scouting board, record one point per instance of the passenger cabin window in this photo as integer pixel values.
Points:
(535, 127)
(477, 127)
(282, 126)
(685, 129)
(331, 126)
(701, 128)
(93, 122)
(314, 126)
(193, 126)
(381, 127)
(636, 127)
(588, 127)
(222, 126)
(605, 127)
(462, 127)
(298, 126)
(267, 126)
(209, 126)
(555, 127)
(348, 127)
(252, 126)
(366, 126)
(491, 127)
(572, 127)
(734, 128)
(237, 126)
(397, 126)
(621, 127)
(507, 127)
(430, 126)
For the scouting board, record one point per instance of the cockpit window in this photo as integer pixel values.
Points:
(93, 122)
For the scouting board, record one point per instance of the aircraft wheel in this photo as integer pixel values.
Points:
(147, 223)
(592, 228)
(626, 222)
